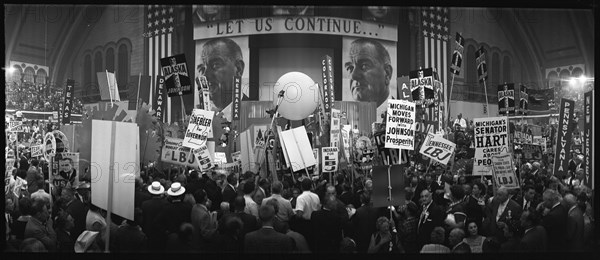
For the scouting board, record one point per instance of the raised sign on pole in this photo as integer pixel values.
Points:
(330, 159)
(491, 138)
(504, 171)
(400, 125)
(437, 148)
(199, 128)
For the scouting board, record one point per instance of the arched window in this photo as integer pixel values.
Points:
(87, 74)
(123, 73)
(41, 76)
(97, 68)
(110, 60)
(507, 69)
(29, 75)
(471, 74)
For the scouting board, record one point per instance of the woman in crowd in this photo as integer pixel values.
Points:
(473, 239)
(408, 227)
(476, 203)
(438, 236)
(385, 240)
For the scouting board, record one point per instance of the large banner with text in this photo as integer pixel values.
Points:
(491, 138)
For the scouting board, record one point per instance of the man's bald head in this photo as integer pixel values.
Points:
(570, 200)
(425, 198)
(502, 194)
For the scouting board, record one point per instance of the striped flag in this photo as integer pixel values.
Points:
(160, 26)
(435, 24)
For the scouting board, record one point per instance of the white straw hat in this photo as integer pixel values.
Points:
(176, 189)
(156, 188)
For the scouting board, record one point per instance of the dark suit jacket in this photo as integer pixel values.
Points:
(490, 224)
(249, 221)
(150, 210)
(173, 215)
(328, 225)
(556, 229)
(532, 204)
(140, 196)
(364, 221)
(575, 224)
(474, 211)
(268, 241)
(79, 213)
(229, 195)
(434, 219)
(66, 244)
(534, 240)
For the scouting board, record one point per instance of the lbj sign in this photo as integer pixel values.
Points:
(437, 148)
(503, 170)
(173, 152)
(330, 159)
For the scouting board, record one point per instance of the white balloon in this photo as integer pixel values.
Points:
(301, 96)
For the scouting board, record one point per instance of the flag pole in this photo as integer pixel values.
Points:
(487, 112)
(109, 89)
(137, 99)
(448, 101)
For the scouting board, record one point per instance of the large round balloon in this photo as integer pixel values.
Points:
(300, 98)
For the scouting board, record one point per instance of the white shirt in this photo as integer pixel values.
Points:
(525, 204)
(308, 202)
(251, 206)
(501, 208)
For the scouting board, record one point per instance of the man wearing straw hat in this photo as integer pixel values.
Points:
(176, 212)
(150, 210)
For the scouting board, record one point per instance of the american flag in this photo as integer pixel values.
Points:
(160, 26)
(435, 24)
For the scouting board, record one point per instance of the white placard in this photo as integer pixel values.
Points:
(199, 128)
(298, 148)
(125, 165)
(400, 125)
(330, 161)
(174, 152)
(491, 138)
(437, 148)
(504, 171)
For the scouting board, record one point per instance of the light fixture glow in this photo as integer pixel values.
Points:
(10, 70)
(582, 78)
(572, 82)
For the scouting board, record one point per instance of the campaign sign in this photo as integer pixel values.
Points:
(37, 150)
(506, 99)
(400, 126)
(503, 170)
(335, 128)
(422, 86)
(198, 129)
(177, 79)
(203, 157)
(531, 151)
(174, 152)
(437, 148)
(491, 138)
(330, 159)
(49, 146)
(15, 126)
(564, 141)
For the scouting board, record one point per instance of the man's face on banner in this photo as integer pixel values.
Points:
(370, 77)
(66, 165)
(219, 65)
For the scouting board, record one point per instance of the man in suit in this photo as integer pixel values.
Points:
(555, 220)
(329, 226)
(40, 225)
(204, 222)
(528, 199)
(249, 221)
(266, 240)
(575, 223)
(229, 192)
(150, 210)
(501, 209)
(363, 223)
(285, 211)
(77, 211)
(431, 216)
(534, 238)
